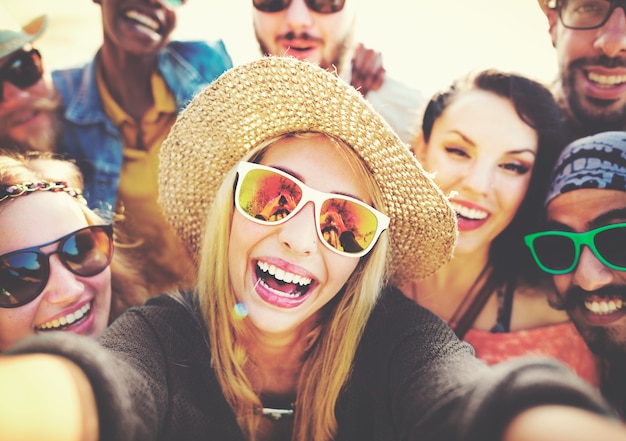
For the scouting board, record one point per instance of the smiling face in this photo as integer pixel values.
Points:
(28, 116)
(480, 149)
(262, 258)
(593, 294)
(302, 33)
(592, 67)
(65, 294)
(137, 27)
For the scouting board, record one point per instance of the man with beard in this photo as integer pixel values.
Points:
(584, 248)
(28, 102)
(590, 41)
(322, 32)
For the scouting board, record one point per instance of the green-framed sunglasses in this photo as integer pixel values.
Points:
(558, 252)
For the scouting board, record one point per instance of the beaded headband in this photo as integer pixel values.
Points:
(26, 188)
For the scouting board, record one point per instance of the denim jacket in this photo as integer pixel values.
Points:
(89, 136)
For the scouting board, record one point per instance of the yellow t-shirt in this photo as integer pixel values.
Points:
(160, 253)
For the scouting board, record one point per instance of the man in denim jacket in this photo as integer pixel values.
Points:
(118, 109)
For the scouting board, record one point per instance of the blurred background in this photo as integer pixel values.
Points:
(426, 44)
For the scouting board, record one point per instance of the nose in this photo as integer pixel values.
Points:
(299, 234)
(591, 274)
(11, 92)
(63, 287)
(611, 38)
(479, 178)
(298, 16)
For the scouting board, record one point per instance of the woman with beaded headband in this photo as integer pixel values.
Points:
(292, 333)
(81, 287)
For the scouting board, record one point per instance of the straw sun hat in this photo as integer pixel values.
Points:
(14, 37)
(275, 95)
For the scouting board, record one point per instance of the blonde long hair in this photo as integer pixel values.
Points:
(327, 364)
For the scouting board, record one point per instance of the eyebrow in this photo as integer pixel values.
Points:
(520, 151)
(599, 221)
(611, 215)
(301, 179)
(509, 152)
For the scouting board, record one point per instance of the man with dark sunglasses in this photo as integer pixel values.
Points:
(28, 102)
(322, 32)
(584, 248)
(590, 41)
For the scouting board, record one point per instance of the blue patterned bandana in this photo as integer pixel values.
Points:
(597, 161)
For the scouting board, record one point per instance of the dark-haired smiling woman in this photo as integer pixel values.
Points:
(289, 335)
(491, 139)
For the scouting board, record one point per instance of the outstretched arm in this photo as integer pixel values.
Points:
(550, 423)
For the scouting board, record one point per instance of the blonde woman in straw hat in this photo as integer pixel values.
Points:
(28, 100)
(288, 336)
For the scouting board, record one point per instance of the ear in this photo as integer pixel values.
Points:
(553, 18)
(419, 146)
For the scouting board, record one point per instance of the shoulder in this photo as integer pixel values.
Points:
(169, 319)
(399, 327)
(69, 77)
(531, 307)
(207, 52)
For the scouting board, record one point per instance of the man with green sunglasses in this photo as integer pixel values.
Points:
(584, 248)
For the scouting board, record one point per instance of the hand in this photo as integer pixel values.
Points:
(368, 72)
(46, 397)
(555, 423)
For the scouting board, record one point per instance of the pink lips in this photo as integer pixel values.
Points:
(277, 300)
(278, 293)
(596, 88)
(469, 216)
(603, 319)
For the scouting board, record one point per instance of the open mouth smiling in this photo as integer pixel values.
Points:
(606, 80)
(280, 282)
(143, 20)
(603, 306)
(66, 321)
(468, 213)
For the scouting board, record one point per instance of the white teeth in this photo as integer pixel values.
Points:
(606, 80)
(604, 307)
(285, 276)
(470, 213)
(66, 320)
(143, 19)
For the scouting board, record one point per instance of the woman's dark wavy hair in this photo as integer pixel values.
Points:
(536, 106)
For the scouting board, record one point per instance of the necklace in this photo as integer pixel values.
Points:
(277, 414)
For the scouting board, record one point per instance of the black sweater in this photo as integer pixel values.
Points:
(412, 379)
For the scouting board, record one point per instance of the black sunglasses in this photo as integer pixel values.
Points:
(23, 70)
(24, 273)
(585, 14)
(319, 6)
